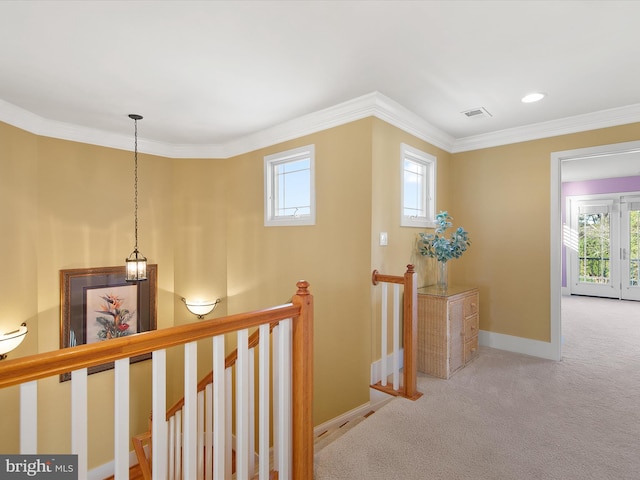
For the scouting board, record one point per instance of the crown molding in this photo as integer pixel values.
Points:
(612, 117)
(373, 104)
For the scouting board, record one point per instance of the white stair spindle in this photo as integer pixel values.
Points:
(396, 336)
(177, 453)
(383, 335)
(208, 432)
(284, 396)
(121, 415)
(200, 438)
(263, 405)
(171, 448)
(242, 407)
(29, 418)
(276, 399)
(252, 413)
(219, 409)
(159, 407)
(228, 447)
(190, 419)
(79, 419)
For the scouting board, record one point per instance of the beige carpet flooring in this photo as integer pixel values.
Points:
(514, 417)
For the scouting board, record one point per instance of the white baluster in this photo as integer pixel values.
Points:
(228, 447)
(251, 450)
(383, 335)
(172, 448)
(178, 446)
(284, 396)
(396, 336)
(275, 336)
(200, 439)
(79, 419)
(208, 432)
(159, 409)
(121, 416)
(219, 412)
(242, 407)
(263, 405)
(190, 426)
(29, 418)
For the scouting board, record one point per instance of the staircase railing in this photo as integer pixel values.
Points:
(293, 389)
(409, 352)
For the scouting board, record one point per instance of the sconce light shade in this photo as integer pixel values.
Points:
(200, 308)
(136, 267)
(10, 340)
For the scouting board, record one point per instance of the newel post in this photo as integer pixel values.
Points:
(410, 333)
(302, 385)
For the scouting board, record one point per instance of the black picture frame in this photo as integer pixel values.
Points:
(97, 304)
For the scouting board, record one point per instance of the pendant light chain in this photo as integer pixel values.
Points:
(135, 181)
(136, 263)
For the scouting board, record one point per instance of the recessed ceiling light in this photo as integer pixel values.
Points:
(533, 97)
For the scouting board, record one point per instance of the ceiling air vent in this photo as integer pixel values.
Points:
(480, 112)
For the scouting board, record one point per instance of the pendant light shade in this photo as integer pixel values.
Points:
(136, 263)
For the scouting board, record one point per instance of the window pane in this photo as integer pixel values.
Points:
(414, 189)
(289, 187)
(593, 247)
(293, 191)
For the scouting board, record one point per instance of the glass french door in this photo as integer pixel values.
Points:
(604, 245)
(630, 246)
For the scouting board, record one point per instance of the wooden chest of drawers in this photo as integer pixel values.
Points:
(448, 325)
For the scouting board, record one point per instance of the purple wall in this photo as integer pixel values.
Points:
(594, 187)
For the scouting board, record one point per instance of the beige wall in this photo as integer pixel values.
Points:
(501, 196)
(18, 255)
(385, 213)
(68, 205)
(264, 263)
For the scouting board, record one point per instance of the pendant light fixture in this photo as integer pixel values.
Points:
(136, 263)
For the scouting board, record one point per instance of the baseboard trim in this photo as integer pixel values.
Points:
(340, 420)
(526, 346)
(106, 470)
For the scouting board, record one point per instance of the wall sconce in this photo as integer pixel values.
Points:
(10, 340)
(200, 308)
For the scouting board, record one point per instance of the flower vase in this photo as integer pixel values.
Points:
(442, 276)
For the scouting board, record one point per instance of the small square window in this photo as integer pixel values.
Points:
(289, 187)
(418, 187)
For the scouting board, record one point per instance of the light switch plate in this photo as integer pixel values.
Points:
(383, 239)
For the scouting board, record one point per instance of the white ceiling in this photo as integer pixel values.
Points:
(216, 73)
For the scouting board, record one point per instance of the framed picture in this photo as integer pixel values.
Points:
(98, 304)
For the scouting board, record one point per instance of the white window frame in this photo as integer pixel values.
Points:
(429, 164)
(271, 219)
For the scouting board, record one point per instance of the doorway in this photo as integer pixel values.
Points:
(617, 158)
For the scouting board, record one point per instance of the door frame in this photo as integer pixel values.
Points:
(555, 230)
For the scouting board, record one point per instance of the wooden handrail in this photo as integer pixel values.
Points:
(42, 365)
(300, 310)
(410, 328)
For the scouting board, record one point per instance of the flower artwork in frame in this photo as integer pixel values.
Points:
(98, 304)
